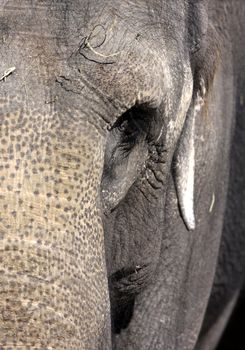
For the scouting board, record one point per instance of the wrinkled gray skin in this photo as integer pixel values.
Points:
(118, 114)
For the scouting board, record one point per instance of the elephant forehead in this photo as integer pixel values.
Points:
(130, 80)
(112, 49)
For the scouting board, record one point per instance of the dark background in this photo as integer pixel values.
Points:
(234, 336)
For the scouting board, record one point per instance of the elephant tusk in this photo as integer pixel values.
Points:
(185, 172)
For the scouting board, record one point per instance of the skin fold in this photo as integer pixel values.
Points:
(121, 177)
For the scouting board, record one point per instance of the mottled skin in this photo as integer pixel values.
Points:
(90, 132)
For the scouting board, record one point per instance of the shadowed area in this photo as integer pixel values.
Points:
(233, 337)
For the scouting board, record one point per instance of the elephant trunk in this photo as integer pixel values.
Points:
(53, 281)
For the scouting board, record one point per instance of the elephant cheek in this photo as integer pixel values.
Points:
(53, 281)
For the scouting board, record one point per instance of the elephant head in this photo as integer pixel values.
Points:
(115, 123)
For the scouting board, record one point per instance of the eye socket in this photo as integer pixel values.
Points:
(123, 126)
(128, 127)
(137, 124)
(130, 122)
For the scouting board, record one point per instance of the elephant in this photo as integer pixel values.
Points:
(122, 136)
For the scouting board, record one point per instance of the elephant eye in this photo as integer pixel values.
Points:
(128, 128)
(123, 126)
(130, 123)
(136, 125)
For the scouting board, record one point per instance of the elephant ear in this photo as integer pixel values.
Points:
(184, 161)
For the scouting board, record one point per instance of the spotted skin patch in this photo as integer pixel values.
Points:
(51, 239)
